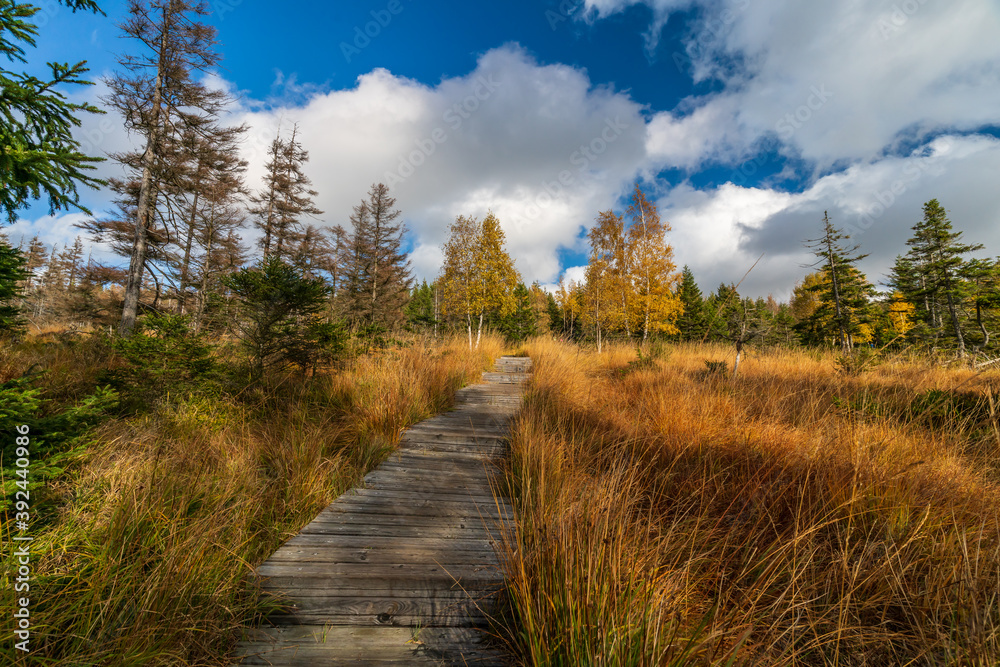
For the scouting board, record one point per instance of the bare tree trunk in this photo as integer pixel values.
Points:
(468, 322)
(982, 326)
(186, 262)
(203, 289)
(954, 322)
(147, 197)
(479, 331)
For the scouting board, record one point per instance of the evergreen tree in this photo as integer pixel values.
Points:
(519, 324)
(13, 274)
(38, 155)
(286, 197)
(982, 277)
(722, 309)
(844, 292)
(691, 323)
(378, 272)
(210, 176)
(420, 309)
(278, 318)
(159, 99)
(930, 273)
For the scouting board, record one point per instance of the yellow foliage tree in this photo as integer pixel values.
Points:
(631, 278)
(605, 300)
(656, 300)
(901, 313)
(497, 275)
(478, 275)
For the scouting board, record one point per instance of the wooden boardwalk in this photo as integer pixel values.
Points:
(403, 570)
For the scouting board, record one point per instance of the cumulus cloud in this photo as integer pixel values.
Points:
(834, 81)
(721, 232)
(538, 144)
(855, 92)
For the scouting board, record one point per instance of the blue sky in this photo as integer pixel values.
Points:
(745, 119)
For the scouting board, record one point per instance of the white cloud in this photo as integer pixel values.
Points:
(835, 81)
(721, 232)
(539, 145)
(848, 87)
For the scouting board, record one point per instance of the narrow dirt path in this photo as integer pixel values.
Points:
(402, 570)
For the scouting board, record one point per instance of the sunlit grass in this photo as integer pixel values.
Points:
(150, 558)
(792, 515)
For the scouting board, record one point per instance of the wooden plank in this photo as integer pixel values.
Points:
(442, 555)
(418, 493)
(481, 583)
(310, 645)
(416, 546)
(426, 509)
(418, 572)
(383, 542)
(464, 531)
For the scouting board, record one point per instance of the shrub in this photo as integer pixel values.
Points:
(163, 355)
(55, 436)
(278, 321)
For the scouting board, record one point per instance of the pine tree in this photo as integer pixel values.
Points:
(982, 277)
(420, 309)
(929, 275)
(34, 259)
(519, 324)
(158, 97)
(844, 292)
(211, 175)
(38, 155)
(13, 274)
(691, 323)
(722, 309)
(378, 272)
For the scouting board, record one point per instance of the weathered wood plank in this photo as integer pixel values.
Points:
(415, 546)
(384, 542)
(310, 645)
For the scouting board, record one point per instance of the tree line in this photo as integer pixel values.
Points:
(182, 207)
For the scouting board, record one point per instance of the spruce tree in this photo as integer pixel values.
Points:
(930, 274)
(13, 274)
(844, 292)
(38, 155)
(378, 272)
(159, 98)
(691, 323)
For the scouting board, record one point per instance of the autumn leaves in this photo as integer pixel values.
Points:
(631, 278)
(478, 276)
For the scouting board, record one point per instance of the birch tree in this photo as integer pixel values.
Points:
(653, 274)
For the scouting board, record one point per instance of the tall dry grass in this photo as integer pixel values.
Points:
(150, 559)
(791, 516)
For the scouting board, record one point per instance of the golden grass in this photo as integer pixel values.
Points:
(150, 559)
(790, 516)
